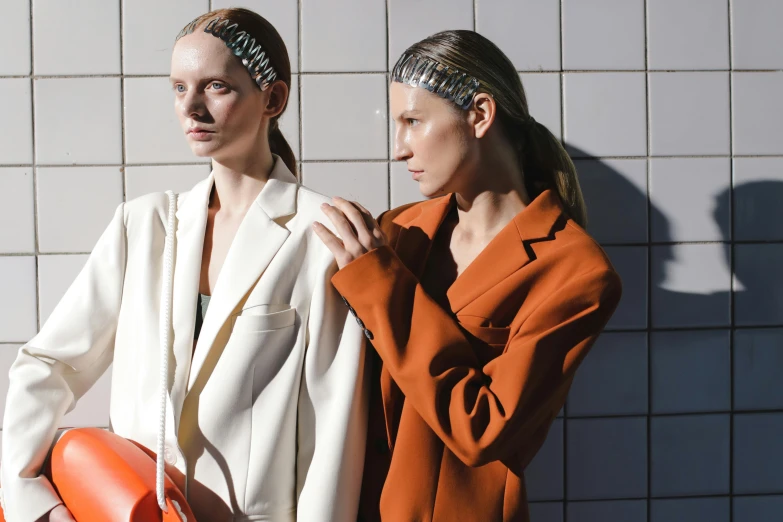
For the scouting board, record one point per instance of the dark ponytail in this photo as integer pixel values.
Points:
(279, 145)
(543, 159)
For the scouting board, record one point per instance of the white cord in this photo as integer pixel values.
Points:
(165, 328)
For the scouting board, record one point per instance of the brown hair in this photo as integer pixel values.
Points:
(265, 34)
(544, 161)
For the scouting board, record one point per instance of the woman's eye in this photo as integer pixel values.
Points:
(412, 121)
(217, 86)
(179, 87)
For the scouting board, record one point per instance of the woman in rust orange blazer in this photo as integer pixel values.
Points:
(480, 302)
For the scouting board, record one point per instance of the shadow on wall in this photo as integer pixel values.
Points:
(689, 288)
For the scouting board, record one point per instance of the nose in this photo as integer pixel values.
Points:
(192, 106)
(402, 149)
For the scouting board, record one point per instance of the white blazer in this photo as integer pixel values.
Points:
(267, 415)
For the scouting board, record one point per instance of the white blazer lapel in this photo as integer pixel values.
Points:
(257, 240)
(191, 226)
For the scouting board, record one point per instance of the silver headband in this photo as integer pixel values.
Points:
(242, 45)
(447, 82)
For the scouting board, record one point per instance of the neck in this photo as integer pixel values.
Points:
(238, 181)
(495, 196)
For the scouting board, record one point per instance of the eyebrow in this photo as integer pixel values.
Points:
(409, 113)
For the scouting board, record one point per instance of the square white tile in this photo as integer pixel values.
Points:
(689, 455)
(758, 299)
(758, 191)
(603, 34)
(599, 389)
(414, 20)
(16, 185)
(606, 510)
(344, 117)
(77, 121)
(543, 99)
(15, 38)
(76, 37)
(756, 35)
(75, 205)
(179, 178)
(544, 474)
(152, 130)
(690, 510)
(615, 192)
(56, 273)
(359, 45)
(693, 197)
(362, 182)
(404, 189)
(546, 511)
(765, 508)
(8, 353)
(92, 409)
(687, 35)
(691, 285)
(606, 458)
(691, 371)
(631, 263)
(758, 112)
(289, 121)
(282, 14)
(605, 114)
(757, 361)
(527, 31)
(758, 445)
(689, 113)
(16, 125)
(149, 30)
(18, 323)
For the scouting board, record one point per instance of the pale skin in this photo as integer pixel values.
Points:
(214, 92)
(447, 150)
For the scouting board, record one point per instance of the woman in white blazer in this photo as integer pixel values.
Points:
(265, 413)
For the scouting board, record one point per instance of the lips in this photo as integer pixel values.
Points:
(199, 134)
(416, 173)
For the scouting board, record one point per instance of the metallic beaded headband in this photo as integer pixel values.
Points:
(242, 45)
(447, 82)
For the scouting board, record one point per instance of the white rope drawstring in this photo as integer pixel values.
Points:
(165, 328)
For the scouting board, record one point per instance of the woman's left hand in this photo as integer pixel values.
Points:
(359, 231)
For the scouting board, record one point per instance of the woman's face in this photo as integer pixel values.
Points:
(219, 106)
(434, 137)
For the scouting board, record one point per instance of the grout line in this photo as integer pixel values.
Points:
(301, 161)
(732, 308)
(389, 153)
(475, 14)
(648, 143)
(696, 328)
(36, 223)
(122, 105)
(561, 74)
(669, 415)
(521, 71)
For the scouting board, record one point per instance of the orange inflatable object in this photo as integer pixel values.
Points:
(102, 477)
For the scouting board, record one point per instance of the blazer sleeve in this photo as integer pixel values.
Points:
(482, 413)
(54, 369)
(332, 412)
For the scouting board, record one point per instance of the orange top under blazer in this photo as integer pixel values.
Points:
(464, 397)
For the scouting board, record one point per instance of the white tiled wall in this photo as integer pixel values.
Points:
(673, 113)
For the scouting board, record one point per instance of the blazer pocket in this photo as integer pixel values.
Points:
(263, 318)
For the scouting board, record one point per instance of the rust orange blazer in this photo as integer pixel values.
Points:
(465, 397)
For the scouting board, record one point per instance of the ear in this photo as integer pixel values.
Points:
(277, 95)
(482, 113)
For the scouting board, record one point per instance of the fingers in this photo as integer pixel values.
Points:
(374, 237)
(358, 220)
(333, 243)
(345, 229)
